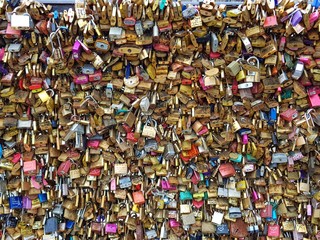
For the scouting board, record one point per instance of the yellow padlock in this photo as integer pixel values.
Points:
(44, 96)
(254, 149)
(241, 75)
(151, 71)
(160, 204)
(241, 185)
(135, 208)
(198, 195)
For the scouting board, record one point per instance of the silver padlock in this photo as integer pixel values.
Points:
(283, 78)
(169, 152)
(138, 28)
(109, 90)
(151, 145)
(115, 33)
(298, 70)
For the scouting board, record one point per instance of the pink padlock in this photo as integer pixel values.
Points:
(64, 168)
(203, 130)
(314, 101)
(254, 195)
(113, 184)
(2, 52)
(273, 230)
(203, 86)
(16, 158)
(290, 166)
(11, 32)
(93, 144)
(305, 60)
(245, 139)
(195, 179)
(214, 55)
(81, 79)
(76, 50)
(165, 184)
(282, 43)
(173, 223)
(314, 17)
(95, 172)
(266, 212)
(30, 167)
(111, 228)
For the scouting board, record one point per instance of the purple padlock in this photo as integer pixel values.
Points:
(245, 139)
(296, 18)
(3, 70)
(26, 202)
(166, 185)
(111, 228)
(76, 50)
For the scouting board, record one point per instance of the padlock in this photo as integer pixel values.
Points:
(233, 68)
(253, 76)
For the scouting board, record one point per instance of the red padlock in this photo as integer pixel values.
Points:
(64, 168)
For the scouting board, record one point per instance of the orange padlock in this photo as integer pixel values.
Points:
(138, 197)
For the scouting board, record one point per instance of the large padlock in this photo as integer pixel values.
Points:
(233, 68)
(148, 130)
(253, 76)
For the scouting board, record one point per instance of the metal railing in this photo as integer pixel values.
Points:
(193, 2)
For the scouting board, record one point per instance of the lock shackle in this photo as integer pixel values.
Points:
(92, 20)
(51, 91)
(92, 98)
(73, 162)
(149, 120)
(51, 37)
(18, 8)
(308, 116)
(75, 118)
(55, 33)
(249, 60)
(88, 98)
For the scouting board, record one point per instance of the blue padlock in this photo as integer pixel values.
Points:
(54, 124)
(69, 224)
(43, 197)
(128, 70)
(15, 202)
(207, 182)
(272, 116)
(213, 161)
(274, 213)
